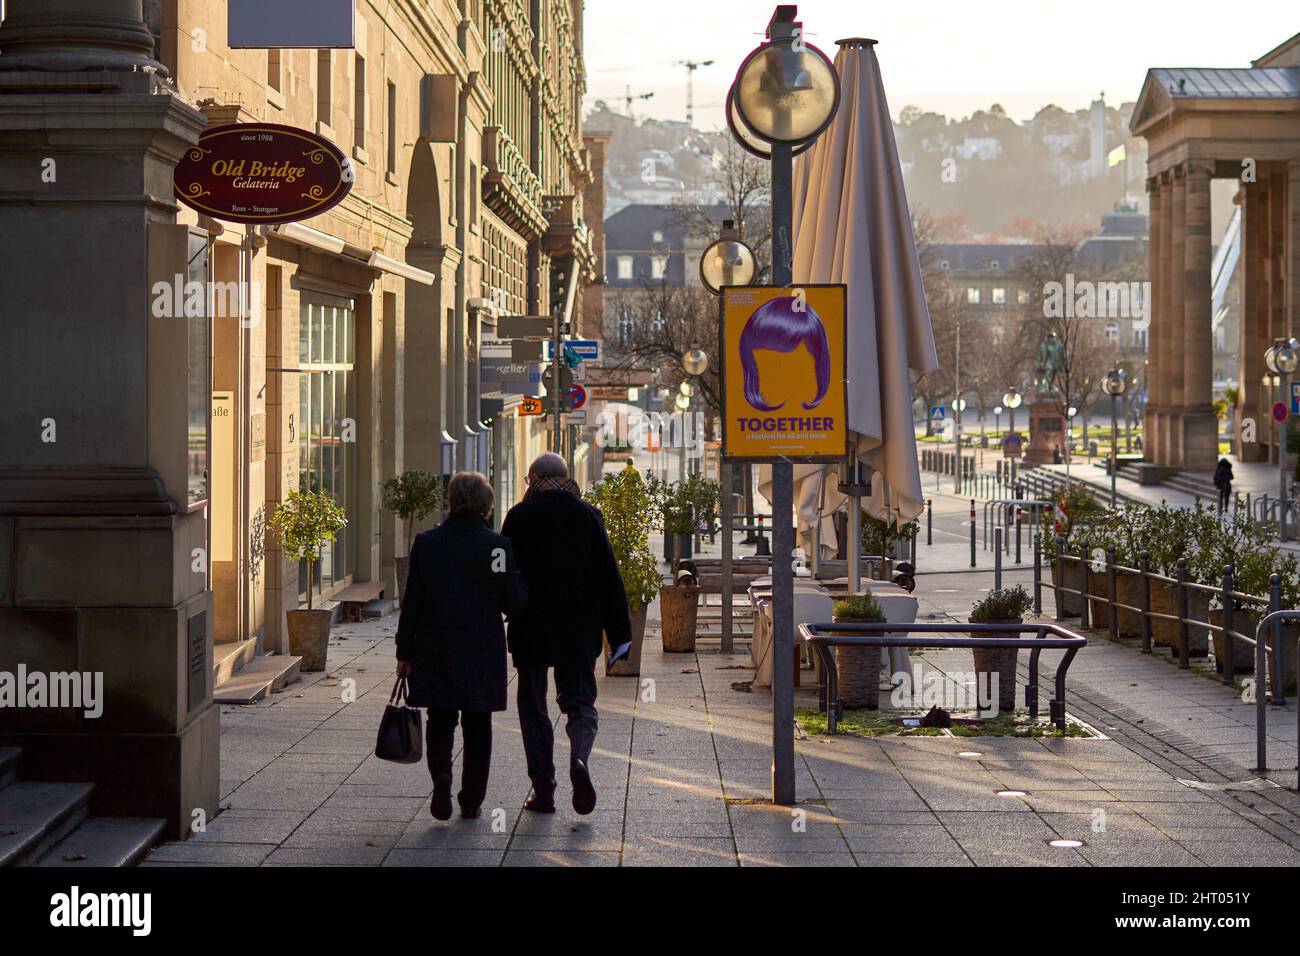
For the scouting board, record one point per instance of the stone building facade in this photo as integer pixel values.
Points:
(351, 353)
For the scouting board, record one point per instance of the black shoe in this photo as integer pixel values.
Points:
(440, 805)
(584, 794)
(469, 813)
(538, 805)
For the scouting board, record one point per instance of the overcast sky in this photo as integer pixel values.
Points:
(950, 56)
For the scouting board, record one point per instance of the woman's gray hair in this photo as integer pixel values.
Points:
(469, 491)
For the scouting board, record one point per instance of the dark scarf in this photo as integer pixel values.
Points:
(553, 484)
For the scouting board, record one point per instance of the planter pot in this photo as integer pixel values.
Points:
(1129, 589)
(1000, 664)
(1071, 577)
(677, 609)
(630, 666)
(676, 546)
(1164, 600)
(858, 670)
(1243, 654)
(403, 565)
(309, 637)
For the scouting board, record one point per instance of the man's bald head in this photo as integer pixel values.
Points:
(547, 465)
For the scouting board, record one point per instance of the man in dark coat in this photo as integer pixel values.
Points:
(576, 592)
(451, 644)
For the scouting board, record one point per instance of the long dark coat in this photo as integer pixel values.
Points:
(573, 581)
(463, 577)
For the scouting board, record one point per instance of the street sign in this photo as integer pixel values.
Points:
(580, 373)
(577, 396)
(1279, 412)
(524, 350)
(1295, 398)
(532, 406)
(937, 414)
(524, 327)
(587, 349)
(575, 418)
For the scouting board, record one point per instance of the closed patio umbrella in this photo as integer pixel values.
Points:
(852, 225)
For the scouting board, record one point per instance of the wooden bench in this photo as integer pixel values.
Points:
(354, 597)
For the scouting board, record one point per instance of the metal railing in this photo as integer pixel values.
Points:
(822, 637)
(1272, 620)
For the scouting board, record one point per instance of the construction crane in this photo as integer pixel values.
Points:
(628, 98)
(691, 67)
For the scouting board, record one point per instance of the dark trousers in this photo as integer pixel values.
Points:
(1225, 494)
(477, 731)
(575, 692)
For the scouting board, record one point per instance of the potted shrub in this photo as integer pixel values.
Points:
(1244, 543)
(683, 508)
(858, 667)
(1007, 606)
(678, 606)
(1174, 533)
(305, 522)
(625, 505)
(412, 496)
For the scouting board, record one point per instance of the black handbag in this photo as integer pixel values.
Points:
(400, 735)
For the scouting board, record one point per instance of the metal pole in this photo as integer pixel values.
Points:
(1038, 577)
(997, 559)
(726, 474)
(1278, 658)
(972, 532)
(855, 533)
(783, 784)
(1114, 448)
(1281, 473)
(1019, 525)
(929, 521)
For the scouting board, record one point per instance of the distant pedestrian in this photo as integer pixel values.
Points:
(631, 466)
(576, 592)
(1056, 454)
(451, 644)
(1223, 481)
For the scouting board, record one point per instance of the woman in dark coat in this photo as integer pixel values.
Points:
(1223, 481)
(451, 643)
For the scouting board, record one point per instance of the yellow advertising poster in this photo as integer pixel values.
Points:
(783, 369)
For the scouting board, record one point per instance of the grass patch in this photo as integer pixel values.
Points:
(878, 723)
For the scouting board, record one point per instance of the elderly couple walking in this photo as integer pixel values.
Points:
(552, 573)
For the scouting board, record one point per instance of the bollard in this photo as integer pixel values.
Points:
(1144, 594)
(1038, 578)
(929, 521)
(972, 532)
(1019, 525)
(1278, 656)
(915, 534)
(1183, 636)
(1228, 664)
(997, 559)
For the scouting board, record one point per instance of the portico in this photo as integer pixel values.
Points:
(1202, 124)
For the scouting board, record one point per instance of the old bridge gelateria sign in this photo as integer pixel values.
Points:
(783, 373)
(262, 173)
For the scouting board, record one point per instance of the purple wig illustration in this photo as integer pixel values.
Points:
(778, 326)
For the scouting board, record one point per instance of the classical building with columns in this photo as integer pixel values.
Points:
(142, 449)
(1205, 124)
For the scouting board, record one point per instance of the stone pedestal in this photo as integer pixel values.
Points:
(103, 561)
(1200, 441)
(1046, 431)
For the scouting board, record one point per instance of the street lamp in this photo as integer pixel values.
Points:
(1281, 359)
(786, 92)
(1012, 400)
(959, 406)
(1069, 439)
(1114, 385)
(727, 261)
(997, 419)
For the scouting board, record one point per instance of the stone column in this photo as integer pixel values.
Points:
(1172, 358)
(1253, 335)
(1155, 331)
(99, 538)
(1200, 429)
(1166, 344)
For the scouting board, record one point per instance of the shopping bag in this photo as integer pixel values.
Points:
(400, 735)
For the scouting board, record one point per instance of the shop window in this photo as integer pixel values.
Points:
(327, 426)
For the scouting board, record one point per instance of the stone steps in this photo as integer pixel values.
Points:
(230, 658)
(258, 678)
(48, 824)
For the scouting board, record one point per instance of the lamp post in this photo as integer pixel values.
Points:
(1012, 400)
(958, 406)
(728, 261)
(785, 94)
(997, 420)
(1114, 385)
(1281, 360)
(1069, 439)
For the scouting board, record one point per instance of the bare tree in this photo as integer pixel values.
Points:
(743, 182)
